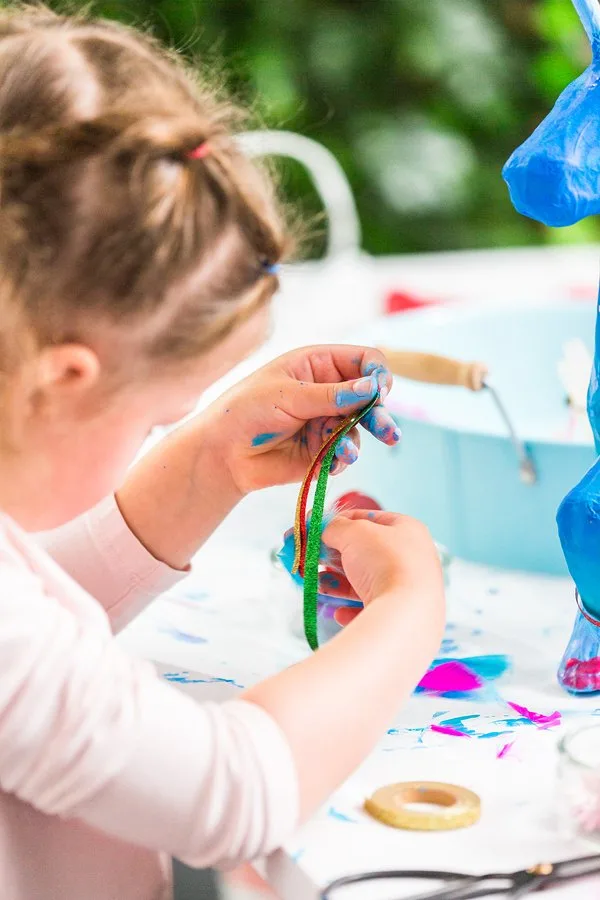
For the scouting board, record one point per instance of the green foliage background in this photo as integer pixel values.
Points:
(421, 101)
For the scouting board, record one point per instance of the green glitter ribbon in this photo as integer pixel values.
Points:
(313, 544)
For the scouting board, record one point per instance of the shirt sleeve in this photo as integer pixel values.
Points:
(99, 550)
(88, 732)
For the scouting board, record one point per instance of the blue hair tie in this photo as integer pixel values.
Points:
(270, 268)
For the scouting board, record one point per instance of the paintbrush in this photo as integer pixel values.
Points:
(433, 369)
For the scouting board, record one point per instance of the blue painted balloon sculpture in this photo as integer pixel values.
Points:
(554, 177)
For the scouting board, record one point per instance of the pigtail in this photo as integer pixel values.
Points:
(252, 202)
(122, 136)
(123, 192)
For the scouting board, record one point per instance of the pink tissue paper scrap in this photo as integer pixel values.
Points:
(451, 732)
(505, 750)
(449, 678)
(539, 719)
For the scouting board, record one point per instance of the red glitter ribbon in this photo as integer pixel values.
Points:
(300, 527)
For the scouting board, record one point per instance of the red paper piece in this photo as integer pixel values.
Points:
(450, 677)
(402, 301)
(355, 500)
(539, 719)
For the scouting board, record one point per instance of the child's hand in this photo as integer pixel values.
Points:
(272, 424)
(381, 553)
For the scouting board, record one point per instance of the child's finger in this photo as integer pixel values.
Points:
(326, 425)
(342, 362)
(313, 434)
(343, 615)
(333, 584)
(381, 425)
(307, 400)
(337, 467)
(348, 447)
(381, 372)
(378, 516)
(320, 430)
(340, 531)
(332, 561)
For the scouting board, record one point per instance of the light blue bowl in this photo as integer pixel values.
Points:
(456, 468)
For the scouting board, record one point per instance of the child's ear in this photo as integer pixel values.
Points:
(63, 374)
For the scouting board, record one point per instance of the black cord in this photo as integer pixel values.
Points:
(347, 880)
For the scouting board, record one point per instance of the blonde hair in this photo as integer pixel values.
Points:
(106, 212)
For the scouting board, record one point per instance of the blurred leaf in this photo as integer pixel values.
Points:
(552, 72)
(559, 25)
(418, 168)
(584, 232)
(421, 101)
(273, 82)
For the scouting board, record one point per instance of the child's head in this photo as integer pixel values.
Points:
(135, 245)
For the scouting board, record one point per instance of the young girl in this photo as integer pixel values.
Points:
(137, 247)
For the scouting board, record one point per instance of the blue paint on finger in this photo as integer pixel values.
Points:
(347, 451)
(379, 371)
(381, 425)
(363, 389)
(264, 438)
(329, 581)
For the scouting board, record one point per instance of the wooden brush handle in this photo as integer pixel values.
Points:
(435, 369)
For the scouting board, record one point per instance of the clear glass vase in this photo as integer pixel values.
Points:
(579, 784)
(286, 592)
(579, 670)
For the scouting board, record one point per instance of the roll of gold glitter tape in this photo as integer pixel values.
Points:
(448, 806)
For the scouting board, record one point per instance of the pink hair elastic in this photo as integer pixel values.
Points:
(199, 152)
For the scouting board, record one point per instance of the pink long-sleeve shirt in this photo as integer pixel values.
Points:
(105, 769)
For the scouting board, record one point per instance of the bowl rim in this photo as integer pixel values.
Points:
(566, 753)
(439, 314)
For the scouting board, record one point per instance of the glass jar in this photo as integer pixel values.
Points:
(284, 591)
(579, 783)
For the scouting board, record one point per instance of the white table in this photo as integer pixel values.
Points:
(232, 621)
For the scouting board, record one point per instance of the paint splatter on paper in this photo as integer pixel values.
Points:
(480, 727)
(505, 750)
(539, 719)
(450, 677)
(455, 726)
(339, 816)
(451, 732)
(187, 678)
(467, 676)
(183, 636)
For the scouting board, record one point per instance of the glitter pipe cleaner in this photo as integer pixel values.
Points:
(306, 562)
(300, 519)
